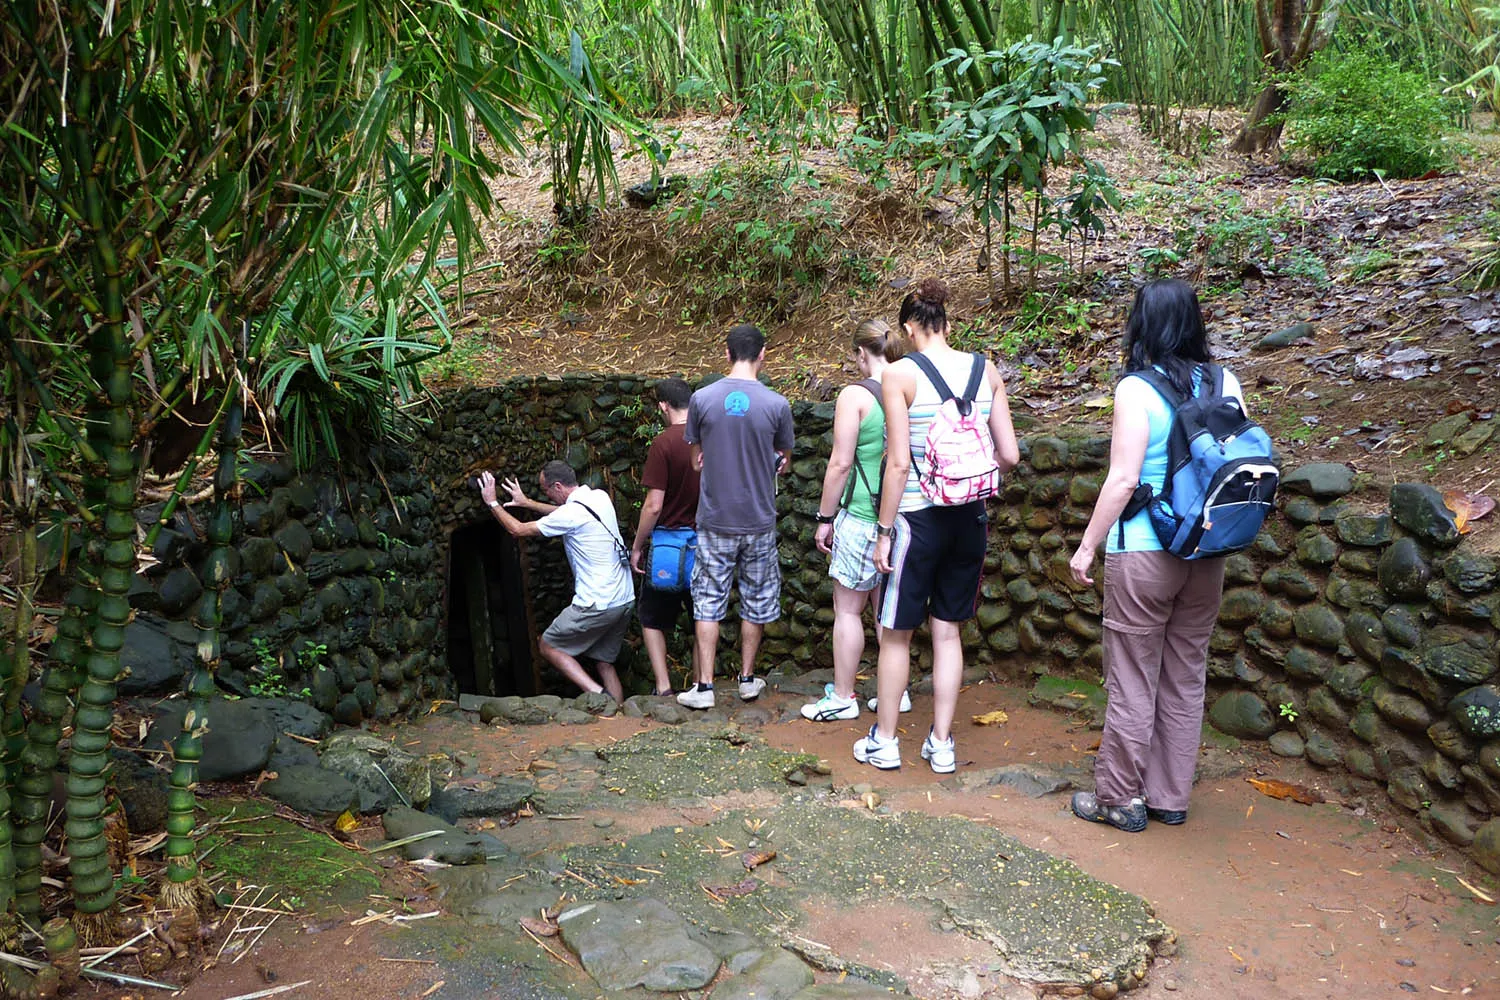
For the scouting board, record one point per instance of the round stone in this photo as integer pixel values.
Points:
(1286, 743)
(1419, 509)
(1319, 625)
(1363, 529)
(1403, 572)
(1242, 714)
(1477, 711)
(1324, 480)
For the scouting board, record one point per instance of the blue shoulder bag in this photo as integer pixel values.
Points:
(670, 561)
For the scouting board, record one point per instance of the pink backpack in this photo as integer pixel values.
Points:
(959, 465)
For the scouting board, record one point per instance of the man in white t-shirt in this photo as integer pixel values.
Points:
(593, 626)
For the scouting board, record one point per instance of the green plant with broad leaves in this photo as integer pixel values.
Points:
(1010, 138)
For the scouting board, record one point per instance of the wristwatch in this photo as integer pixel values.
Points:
(885, 532)
(493, 503)
(823, 518)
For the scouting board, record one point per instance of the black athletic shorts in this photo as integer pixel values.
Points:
(937, 557)
(661, 609)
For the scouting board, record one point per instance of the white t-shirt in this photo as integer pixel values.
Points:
(601, 577)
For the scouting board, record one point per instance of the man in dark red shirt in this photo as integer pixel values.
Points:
(671, 502)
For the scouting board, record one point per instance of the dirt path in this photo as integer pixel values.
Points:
(1268, 898)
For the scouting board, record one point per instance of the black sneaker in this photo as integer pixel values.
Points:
(1171, 817)
(1131, 818)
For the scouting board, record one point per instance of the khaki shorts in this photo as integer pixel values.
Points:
(593, 633)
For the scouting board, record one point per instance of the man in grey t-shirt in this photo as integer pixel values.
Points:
(741, 435)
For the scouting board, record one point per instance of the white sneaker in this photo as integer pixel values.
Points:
(884, 754)
(939, 753)
(751, 689)
(831, 708)
(872, 704)
(693, 698)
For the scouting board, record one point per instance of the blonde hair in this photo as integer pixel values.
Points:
(875, 336)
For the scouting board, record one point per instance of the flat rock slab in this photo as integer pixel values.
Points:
(775, 975)
(480, 796)
(637, 942)
(673, 763)
(1047, 920)
(1031, 780)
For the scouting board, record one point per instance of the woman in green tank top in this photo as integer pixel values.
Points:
(846, 514)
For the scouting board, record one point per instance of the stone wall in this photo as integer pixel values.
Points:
(337, 591)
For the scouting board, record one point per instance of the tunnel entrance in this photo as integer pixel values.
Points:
(489, 639)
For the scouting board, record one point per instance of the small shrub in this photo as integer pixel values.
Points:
(1358, 115)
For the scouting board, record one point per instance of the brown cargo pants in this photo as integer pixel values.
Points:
(1159, 612)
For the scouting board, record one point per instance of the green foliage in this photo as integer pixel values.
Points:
(458, 362)
(1289, 711)
(755, 234)
(1357, 115)
(1486, 270)
(1368, 263)
(575, 127)
(1041, 320)
(1011, 136)
(310, 656)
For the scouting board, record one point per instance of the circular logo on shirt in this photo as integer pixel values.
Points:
(737, 404)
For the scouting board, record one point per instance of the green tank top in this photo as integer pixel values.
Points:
(869, 448)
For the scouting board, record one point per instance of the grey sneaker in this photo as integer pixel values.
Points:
(693, 698)
(873, 703)
(1131, 818)
(751, 689)
(939, 753)
(882, 753)
(831, 708)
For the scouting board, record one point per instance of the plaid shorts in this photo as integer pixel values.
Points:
(853, 560)
(749, 561)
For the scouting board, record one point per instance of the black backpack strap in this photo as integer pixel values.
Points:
(975, 377)
(1161, 384)
(1211, 381)
(872, 386)
(930, 370)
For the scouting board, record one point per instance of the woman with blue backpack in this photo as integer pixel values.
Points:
(949, 438)
(1190, 480)
(846, 515)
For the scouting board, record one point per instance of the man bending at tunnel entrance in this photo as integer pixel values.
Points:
(593, 626)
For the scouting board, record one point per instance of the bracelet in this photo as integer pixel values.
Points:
(885, 532)
(822, 518)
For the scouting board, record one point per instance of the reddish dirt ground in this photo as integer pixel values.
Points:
(1269, 898)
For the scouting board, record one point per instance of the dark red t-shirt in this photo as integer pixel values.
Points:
(669, 467)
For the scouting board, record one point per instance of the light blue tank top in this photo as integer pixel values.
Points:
(1139, 535)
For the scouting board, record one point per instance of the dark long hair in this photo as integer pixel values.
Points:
(1165, 328)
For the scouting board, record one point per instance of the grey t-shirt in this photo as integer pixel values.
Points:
(740, 425)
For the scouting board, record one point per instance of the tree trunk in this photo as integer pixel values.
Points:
(1257, 135)
(1288, 32)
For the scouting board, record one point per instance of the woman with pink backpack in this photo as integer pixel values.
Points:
(948, 440)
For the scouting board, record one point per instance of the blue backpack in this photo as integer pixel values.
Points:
(1221, 479)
